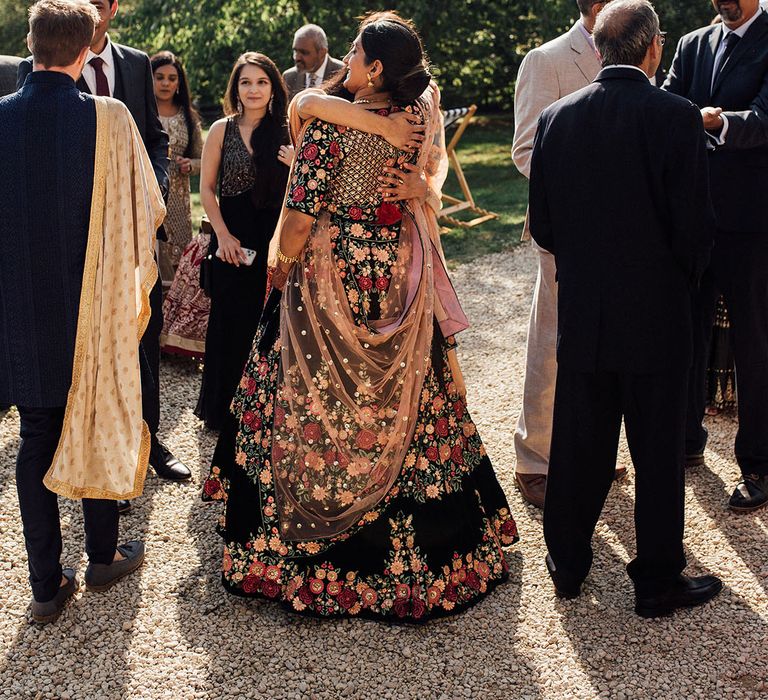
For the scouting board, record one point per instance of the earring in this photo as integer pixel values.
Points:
(370, 80)
(239, 107)
(271, 101)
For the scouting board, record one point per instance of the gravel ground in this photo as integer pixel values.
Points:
(171, 632)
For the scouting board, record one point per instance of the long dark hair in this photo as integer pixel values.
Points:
(395, 42)
(397, 45)
(182, 98)
(269, 135)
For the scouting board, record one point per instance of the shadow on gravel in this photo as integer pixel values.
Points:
(9, 451)
(257, 649)
(92, 638)
(742, 530)
(708, 651)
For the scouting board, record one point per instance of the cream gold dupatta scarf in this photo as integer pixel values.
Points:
(104, 447)
(348, 396)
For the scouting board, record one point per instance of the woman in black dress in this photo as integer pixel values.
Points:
(243, 159)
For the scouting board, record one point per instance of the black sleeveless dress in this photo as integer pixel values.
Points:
(237, 293)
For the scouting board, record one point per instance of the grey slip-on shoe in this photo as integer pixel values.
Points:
(101, 577)
(49, 611)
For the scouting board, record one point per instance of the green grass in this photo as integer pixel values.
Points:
(484, 153)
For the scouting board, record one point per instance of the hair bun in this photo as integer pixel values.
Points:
(412, 84)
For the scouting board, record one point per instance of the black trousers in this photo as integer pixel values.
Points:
(150, 363)
(40, 432)
(739, 271)
(585, 436)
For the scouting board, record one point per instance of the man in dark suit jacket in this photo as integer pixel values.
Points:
(9, 66)
(313, 64)
(723, 69)
(618, 193)
(124, 73)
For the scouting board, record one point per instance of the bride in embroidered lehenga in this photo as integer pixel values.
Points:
(357, 483)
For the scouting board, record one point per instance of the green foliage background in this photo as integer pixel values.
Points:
(475, 45)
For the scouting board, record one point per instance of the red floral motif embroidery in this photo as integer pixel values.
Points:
(382, 283)
(298, 194)
(388, 214)
(366, 439)
(312, 432)
(365, 283)
(311, 152)
(212, 487)
(326, 590)
(355, 213)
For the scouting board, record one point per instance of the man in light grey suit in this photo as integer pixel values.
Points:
(314, 65)
(551, 71)
(9, 65)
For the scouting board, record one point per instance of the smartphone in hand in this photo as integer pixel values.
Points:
(250, 255)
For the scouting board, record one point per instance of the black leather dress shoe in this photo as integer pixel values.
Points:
(49, 611)
(123, 507)
(750, 494)
(685, 592)
(564, 587)
(166, 466)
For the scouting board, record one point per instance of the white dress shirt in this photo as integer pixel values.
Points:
(89, 75)
(622, 65)
(314, 79)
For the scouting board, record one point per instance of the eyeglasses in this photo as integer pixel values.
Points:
(662, 38)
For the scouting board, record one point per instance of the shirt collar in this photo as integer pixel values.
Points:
(587, 35)
(321, 70)
(105, 55)
(621, 65)
(742, 30)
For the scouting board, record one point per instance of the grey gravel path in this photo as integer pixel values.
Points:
(171, 631)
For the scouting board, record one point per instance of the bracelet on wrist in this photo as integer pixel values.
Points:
(282, 257)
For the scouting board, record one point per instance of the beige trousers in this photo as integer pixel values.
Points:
(534, 428)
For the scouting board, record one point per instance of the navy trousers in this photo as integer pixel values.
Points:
(40, 432)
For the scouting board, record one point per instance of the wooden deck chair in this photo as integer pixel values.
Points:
(460, 119)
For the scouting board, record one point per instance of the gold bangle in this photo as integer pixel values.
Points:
(282, 257)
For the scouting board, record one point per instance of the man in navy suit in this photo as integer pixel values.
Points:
(48, 139)
(723, 69)
(626, 266)
(124, 73)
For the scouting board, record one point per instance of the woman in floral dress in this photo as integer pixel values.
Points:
(182, 124)
(359, 485)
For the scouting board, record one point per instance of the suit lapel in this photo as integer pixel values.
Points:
(123, 82)
(328, 70)
(754, 34)
(585, 58)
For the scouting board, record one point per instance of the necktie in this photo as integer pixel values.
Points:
(311, 80)
(729, 41)
(102, 84)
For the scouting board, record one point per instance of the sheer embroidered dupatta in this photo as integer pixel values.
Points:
(348, 396)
